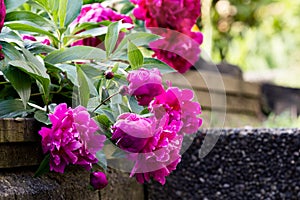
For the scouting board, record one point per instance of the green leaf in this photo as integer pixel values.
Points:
(13, 108)
(44, 166)
(71, 72)
(139, 39)
(20, 81)
(42, 116)
(38, 48)
(73, 10)
(31, 17)
(135, 56)
(43, 3)
(74, 54)
(134, 106)
(36, 72)
(13, 4)
(93, 32)
(104, 123)
(11, 52)
(154, 63)
(83, 89)
(111, 37)
(8, 35)
(102, 162)
(62, 12)
(30, 27)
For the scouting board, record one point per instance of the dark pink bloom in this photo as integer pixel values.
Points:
(97, 13)
(180, 51)
(2, 13)
(151, 143)
(71, 139)
(98, 180)
(131, 132)
(2, 18)
(161, 161)
(42, 40)
(28, 37)
(180, 108)
(145, 84)
(178, 15)
(169, 18)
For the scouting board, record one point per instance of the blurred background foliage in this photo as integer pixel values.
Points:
(262, 37)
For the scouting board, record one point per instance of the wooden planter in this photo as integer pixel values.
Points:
(19, 143)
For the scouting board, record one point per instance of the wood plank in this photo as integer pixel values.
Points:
(16, 154)
(210, 81)
(229, 120)
(19, 130)
(218, 101)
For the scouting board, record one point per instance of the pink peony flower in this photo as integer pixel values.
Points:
(98, 180)
(42, 40)
(97, 13)
(131, 132)
(161, 161)
(71, 139)
(178, 15)
(145, 84)
(2, 17)
(28, 37)
(178, 105)
(151, 143)
(2, 13)
(180, 51)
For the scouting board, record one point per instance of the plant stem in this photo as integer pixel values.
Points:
(108, 98)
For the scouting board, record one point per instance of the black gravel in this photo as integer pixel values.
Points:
(244, 164)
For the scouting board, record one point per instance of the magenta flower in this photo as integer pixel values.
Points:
(2, 17)
(169, 18)
(180, 108)
(152, 144)
(2, 13)
(180, 51)
(98, 180)
(131, 132)
(97, 13)
(42, 40)
(145, 84)
(178, 15)
(71, 139)
(161, 161)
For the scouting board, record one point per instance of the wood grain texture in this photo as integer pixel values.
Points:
(214, 82)
(22, 154)
(19, 130)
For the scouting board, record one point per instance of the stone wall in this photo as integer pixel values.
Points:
(244, 164)
(18, 183)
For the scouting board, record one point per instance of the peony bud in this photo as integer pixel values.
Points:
(108, 74)
(98, 180)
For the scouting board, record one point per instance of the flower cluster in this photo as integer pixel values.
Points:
(150, 133)
(179, 16)
(71, 139)
(154, 143)
(2, 17)
(97, 13)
